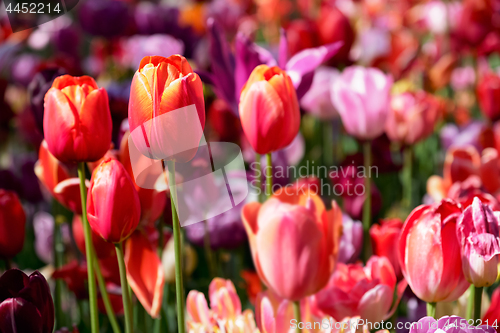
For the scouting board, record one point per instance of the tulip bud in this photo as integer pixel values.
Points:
(269, 109)
(77, 122)
(385, 238)
(294, 241)
(12, 224)
(478, 234)
(166, 110)
(26, 303)
(361, 96)
(488, 94)
(113, 205)
(428, 252)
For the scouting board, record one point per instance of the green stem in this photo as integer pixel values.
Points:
(367, 205)
(178, 248)
(296, 314)
(478, 296)
(258, 177)
(58, 250)
(470, 302)
(105, 297)
(94, 315)
(125, 292)
(407, 176)
(269, 175)
(431, 310)
(327, 142)
(208, 251)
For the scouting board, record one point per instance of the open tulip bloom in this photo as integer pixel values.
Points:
(239, 166)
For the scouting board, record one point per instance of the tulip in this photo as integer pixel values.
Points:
(351, 241)
(492, 315)
(269, 109)
(429, 255)
(385, 238)
(224, 313)
(113, 205)
(58, 180)
(361, 96)
(113, 18)
(102, 248)
(12, 224)
(79, 110)
(488, 95)
(159, 87)
(295, 227)
(317, 99)
(412, 117)
(478, 233)
(26, 304)
(356, 291)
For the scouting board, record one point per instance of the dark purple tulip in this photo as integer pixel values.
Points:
(67, 40)
(25, 303)
(6, 113)
(37, 89)
(105, 18)
(226, 230)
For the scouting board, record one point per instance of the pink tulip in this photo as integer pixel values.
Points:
(429, 252)
(354, 290)
(478, 234)
(294, 241)
(412, 117)
(361, 96)
(317, 99)
(224, 314)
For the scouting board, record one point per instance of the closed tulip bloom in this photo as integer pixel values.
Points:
(361, 96)
(385, 238)
(429, 252)
(12, 224)
(478, 234)
(294, 241)
(488, 95)
(269, 109)
(113, 205)
(159, 87)
(77, 122)
(412, 117)
(25, 303)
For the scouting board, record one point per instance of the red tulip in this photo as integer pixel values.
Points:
(492, 315)
(58, 180)
(488, 94)
(429, 252)
(113, 205)
(294, 241)
(102, 248)
(77, 122)
(144, 272)
(269, 109)
(334, 26)
(159, 87)
(12, 224)
(385, 238)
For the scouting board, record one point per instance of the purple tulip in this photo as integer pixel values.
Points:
(26, 304)
(351, 241)
(361, 96)
(23, 68)
(452, 135)
(37, 89)
(106, 18)
(478, 234)
(158, 44)
(452, 324)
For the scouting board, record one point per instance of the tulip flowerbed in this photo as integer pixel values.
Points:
(239, 166)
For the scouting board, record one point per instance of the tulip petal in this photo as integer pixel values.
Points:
(375, 303)
(38, 292)
(67, 80)
(19, 315)
(197, 307)
(144, 272)
(267, 322)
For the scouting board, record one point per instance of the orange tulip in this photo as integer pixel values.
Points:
(294, 241)
(159, 87)
(269, 109)
(113, 205)
(77, 121)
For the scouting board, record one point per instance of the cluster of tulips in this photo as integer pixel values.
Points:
(397, 99)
